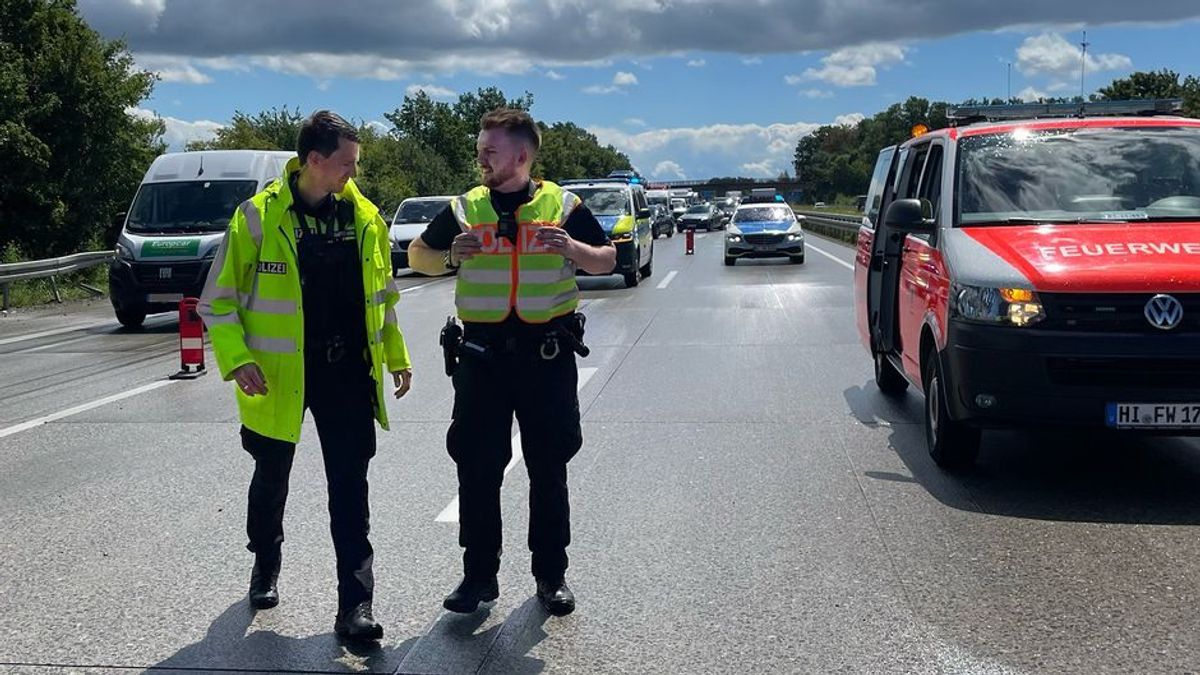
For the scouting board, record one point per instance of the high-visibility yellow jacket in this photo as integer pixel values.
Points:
(253, 306)
(519, 275)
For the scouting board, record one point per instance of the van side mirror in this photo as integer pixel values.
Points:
(908, 216)
(643, 213)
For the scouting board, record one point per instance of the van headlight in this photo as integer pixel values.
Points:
(124, 253)
(1004, 306)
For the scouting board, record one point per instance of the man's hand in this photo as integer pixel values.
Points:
(403, 381)
(250, 380)
(465, 246)
(556, 240)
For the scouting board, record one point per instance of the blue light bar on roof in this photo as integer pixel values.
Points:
(1024, 111)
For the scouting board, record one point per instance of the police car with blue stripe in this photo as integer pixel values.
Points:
(764, 230)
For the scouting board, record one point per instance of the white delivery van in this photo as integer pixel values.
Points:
(178, 218)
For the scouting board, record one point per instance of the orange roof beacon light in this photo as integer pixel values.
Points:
(919, 130)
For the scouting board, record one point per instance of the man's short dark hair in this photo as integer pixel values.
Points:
(518, 123)
(321, 132)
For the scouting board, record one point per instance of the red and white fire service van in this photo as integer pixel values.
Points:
(1037, 265)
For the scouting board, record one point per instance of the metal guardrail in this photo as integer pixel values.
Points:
(832, 219)
(49, 268)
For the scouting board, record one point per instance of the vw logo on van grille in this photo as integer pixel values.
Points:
(1164, 312)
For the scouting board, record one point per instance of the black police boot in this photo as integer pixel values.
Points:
(264, 578)
(472, 591)
(556, 597)
(357, 624)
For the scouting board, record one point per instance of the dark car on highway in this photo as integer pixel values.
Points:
(699, 216)
(661, 220)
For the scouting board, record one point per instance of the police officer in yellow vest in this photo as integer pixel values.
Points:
(299, 308)
(517, 244)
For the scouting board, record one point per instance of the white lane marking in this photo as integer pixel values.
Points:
(701, 235)
(48, 333)
(450, 513)
(150, 323)
(667, 280)
(25, 426)
(832, 257)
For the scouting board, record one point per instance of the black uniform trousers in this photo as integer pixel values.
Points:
(542, 394)
(340, 397)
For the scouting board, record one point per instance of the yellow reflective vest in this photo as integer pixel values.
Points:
(518, 275)
(253, 309)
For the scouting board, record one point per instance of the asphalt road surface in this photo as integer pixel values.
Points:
(745, 502)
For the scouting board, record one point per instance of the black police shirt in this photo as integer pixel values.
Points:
(581, 224)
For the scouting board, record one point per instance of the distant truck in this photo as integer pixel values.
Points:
(758, 195)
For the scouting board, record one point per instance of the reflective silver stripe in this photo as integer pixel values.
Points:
(547, 276)
(458, 206)
(389, 310)
(271, 345)
(380, 297)
(253, 222)
(483, 303)
(378, 336)
(545, 303)
(268, 306)
(211, 319)
(478, 276)
(213, 292)
(569, 204)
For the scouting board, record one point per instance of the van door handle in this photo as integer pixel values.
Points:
(877, 262)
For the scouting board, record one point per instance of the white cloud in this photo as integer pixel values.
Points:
(555, 75)
(760, 169)
(849, 120)
(431, 90)
(379, 127)
(716, 150)
(1031, 94)
(752, 61)
(600, 89)
(1052, 55)
(623, 79)
(856, 66)
(180, 132)
(793, 80)
(385, 39)
(635, 122)
(696, 63)
(816, 93)
(668, 169)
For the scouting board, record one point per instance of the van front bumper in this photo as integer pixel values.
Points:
(135, 285)
(1053, 378)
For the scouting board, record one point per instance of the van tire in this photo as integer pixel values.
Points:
(952, 445)
(648, 268)
(890, 381)
(730, 261)
(131, 318)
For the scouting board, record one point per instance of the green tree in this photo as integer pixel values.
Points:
(392, 169)
(570, 151)
(274, 129)
(1155, 84)
(75, 146)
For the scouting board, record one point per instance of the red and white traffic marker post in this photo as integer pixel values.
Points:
(191, 341)
(690, 241)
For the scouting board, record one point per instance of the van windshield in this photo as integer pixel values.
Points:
(192, 206)
(1116, 174)
(605, 201)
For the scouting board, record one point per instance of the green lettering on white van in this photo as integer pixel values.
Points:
(162, 248)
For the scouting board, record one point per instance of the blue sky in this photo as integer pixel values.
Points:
(687, 88)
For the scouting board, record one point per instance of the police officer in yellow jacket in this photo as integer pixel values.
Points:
(519, 243)
(299, 308)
